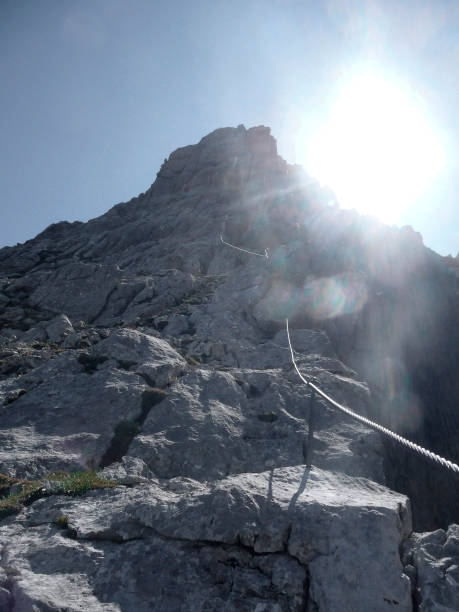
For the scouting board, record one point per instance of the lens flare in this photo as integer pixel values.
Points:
(325, 298)
(401, 410)
(318, 300)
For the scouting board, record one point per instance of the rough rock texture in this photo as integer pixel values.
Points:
(139, 343)
(272, 539)
(432, 559)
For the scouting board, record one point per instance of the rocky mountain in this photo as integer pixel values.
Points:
(158, 450)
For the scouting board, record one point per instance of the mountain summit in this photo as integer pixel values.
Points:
(150, 345)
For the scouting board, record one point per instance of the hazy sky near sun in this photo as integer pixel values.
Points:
(94, 94)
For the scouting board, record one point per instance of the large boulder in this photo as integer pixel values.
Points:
(285, 540)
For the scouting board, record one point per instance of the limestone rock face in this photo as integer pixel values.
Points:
(433, 560)
(275, 539)
(141, 345)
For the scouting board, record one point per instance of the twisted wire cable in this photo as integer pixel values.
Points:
(384, 430)
(265, 254)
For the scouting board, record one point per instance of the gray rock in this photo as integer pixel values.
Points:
(81, 290)
(435, 557)
(236, 490)
(59, 328)
(251, 421)
(77, 339)
(306, 341)
(176, 325)
(149, 356)
(11, 334)
(129, 471)
(35, 334)
(71, 430)
(247, 542)
(6, 600)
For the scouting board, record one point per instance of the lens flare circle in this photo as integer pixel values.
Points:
(326, 298)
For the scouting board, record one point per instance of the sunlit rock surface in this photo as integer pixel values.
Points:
(276, 539)
(141, 344)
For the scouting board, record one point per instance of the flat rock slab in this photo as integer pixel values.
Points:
(276, 541)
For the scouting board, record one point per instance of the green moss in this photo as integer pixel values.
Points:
(10, 505)
(79, 483)
(5, 483)
(62, 483)
(61, 522)
(27, 491)
(192, 299)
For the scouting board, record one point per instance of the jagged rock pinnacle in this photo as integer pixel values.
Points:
(225, 159)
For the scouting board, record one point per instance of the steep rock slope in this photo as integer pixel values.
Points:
(142, 344)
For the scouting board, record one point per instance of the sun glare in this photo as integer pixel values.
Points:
(377, 151)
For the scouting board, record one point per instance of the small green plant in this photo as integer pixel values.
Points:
(18, 493)
(5, 483)
(192, 360)
(78, 483)
(24, 492)
(10, 505)
(61, 522)
(193, 299)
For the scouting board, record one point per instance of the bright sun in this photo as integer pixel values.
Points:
(377, 152)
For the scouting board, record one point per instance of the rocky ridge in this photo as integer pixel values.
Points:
(139, 344)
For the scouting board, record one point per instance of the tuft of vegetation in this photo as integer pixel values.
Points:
(192, 299)
(192, 360)
(78, 483)
(5, 483)
(24, 493)
(16, 493)
(61, 522)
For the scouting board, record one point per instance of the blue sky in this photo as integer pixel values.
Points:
(96, 93)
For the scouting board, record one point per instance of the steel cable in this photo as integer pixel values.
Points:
(384, 430)
(434, 457)
(265, 254)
